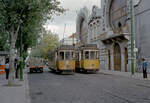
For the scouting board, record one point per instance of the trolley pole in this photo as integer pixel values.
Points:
(132, 36)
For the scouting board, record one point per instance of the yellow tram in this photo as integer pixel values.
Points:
(62, 59)
(87, 58)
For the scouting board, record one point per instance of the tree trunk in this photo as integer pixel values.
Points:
(11, 80)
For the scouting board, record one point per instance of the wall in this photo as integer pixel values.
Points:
(142, 37)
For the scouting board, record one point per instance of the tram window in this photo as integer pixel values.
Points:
(82, 55)
(93, 55)
(86, 54)
(73, 56)
(61, 56)
(67, 55)
(77, 56)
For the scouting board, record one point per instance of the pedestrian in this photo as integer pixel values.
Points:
(16, 68)
(144, 67)
(7, 69)
(27, 64)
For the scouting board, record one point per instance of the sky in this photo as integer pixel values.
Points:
(57, 25)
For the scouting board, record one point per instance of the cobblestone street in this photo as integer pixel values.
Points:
(49, 87)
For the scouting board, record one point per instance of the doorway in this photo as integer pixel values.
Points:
(109, 60)
(126, 58)
(117, 57)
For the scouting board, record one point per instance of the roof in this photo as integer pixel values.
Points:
(66, 47)
(89, 46)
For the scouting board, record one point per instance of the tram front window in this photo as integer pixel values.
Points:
(61, 55)
(86, 54)
(93, 55)
(67, 55)
(97, 55)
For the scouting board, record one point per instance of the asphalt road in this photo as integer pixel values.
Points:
(49, 87)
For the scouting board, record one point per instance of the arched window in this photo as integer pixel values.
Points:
(118, 13)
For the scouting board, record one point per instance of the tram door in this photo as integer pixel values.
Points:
(109, 60)
(117, 57)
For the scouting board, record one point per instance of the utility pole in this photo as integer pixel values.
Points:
(21, 59)
(73, 39)
(132, 36)
(64, 34)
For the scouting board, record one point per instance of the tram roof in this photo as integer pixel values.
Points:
(89, 46)
(66, 47)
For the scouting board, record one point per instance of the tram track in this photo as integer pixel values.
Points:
(118, 96)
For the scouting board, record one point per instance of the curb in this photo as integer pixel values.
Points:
(136, 77)
(27, 92)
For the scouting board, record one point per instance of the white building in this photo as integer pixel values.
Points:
(109, 28)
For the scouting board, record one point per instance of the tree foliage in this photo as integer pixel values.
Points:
(49, 42)
(29, 14)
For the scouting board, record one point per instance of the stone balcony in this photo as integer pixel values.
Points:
(121, 34)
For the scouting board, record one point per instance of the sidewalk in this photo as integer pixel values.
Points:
(18, 94)
(138, 76)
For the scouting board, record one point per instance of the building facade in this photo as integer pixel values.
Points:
(109, 28)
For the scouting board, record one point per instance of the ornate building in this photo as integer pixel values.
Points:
(109, 28)
(82, 25)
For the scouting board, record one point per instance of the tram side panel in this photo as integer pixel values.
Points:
(66, 65)
(90, 65)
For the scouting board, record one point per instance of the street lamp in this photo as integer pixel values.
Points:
(132, 36)
(21, 58)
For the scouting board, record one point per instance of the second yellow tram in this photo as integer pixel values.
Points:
(87, 58)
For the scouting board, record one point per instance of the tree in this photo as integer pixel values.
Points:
(24, 17)
(49, 42)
